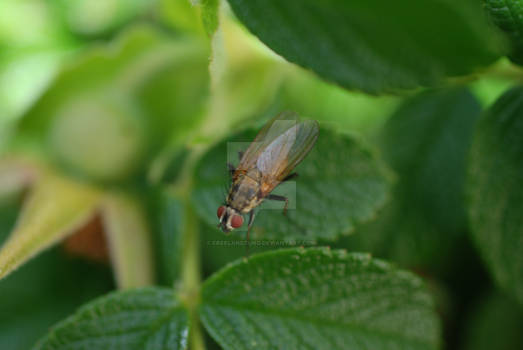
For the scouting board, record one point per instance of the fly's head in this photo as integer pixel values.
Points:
(229, 217)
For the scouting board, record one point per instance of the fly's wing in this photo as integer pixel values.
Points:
(267, 136)
(285, 152)
(306, 136)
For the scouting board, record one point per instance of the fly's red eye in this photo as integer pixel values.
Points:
(236, 221)
(221, 210)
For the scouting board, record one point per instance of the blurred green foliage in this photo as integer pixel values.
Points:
(494, 193)
(495, 324)
(45, 290)
(421, 225)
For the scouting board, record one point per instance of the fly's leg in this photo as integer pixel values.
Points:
(276, 197)
(249, 225)
(290, 177)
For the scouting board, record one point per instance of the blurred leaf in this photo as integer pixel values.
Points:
(245, 78)
(6, 129)
(175, 97)
(53, 210)
(495, 324)
(15, 174)
(209, 13)
(103, 137)
(130, 240)
(320, 299)
(100, 17)
(168, 167)
(507, 15)
(44, 290)
(495, 195)
(340, 183)
(181, 15)
(167, 212)
(245, 90)
(98, 67)
(40, 27)
(426, 142)
(24, 76)
(126, 98)
(9, 209)
(375, 46)
(150, 318)
(489, 87)
(31, 51)
(304, 93)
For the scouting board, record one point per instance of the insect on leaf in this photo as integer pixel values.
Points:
(340, 183)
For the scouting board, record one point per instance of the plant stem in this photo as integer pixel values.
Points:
(189, 290)
(191, 274)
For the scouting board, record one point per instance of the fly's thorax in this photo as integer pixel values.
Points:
(244, 194)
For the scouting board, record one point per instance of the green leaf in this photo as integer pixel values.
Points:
(373, 45)
(495, 323)
(44, 291)
(340, 183)
(495, 194)
(507, 15)
(319, 299)
(130, 242)
(55, 208)
(149, 318)
(426, 142)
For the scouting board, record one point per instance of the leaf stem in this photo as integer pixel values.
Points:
(191, 274)
(189, 290)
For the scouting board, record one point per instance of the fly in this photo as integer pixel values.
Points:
(268, 161)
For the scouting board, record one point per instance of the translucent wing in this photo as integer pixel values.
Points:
(267, 135)
(287, 151)
(279, 147)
